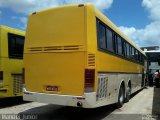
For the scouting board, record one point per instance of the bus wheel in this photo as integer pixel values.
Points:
(120, 97)
(128, 94)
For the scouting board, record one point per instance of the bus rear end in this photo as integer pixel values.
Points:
(11, 63)
(55, 58)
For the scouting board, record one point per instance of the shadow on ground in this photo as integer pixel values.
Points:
(134, 94)
(53, 112)
(12, 101)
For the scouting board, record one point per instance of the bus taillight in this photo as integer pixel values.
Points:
(89, 80)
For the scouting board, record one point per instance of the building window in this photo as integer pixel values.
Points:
(15, 45)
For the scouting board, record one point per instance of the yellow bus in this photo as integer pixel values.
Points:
(75, 56)
(11, 54)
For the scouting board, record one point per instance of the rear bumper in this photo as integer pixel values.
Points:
(88, 100)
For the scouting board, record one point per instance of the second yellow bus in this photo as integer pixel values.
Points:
(11, 63)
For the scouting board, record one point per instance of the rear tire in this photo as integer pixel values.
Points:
(120, 97)
(128, 94)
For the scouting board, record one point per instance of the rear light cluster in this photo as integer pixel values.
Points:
(1, 75)
(89, 80)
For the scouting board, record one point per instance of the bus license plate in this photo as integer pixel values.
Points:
(51, 88)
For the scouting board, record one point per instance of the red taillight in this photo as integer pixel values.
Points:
(89, 80)
(1, 75)
(23, 76)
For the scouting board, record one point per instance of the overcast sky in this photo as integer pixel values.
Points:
(139, 19)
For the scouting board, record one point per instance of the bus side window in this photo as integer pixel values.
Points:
(127, 47)
(136, 55)
(115, 43)
(101, 36)
(119, 45)
(132, 55)
(124, 48)
(110, 42)
(130, 52)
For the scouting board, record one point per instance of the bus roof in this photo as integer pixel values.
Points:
(14, 30)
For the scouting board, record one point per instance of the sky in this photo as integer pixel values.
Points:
(138, 19)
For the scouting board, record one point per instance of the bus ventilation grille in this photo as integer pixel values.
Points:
(56, 48)
(17, 83)
(91, 59)
(35, 49)
(102, 87)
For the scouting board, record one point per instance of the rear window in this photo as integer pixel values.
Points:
(15, 46)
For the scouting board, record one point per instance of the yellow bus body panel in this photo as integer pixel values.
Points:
(52, 70)
(119, 66)
(7, 65)
(55, 51)
(56, 27)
